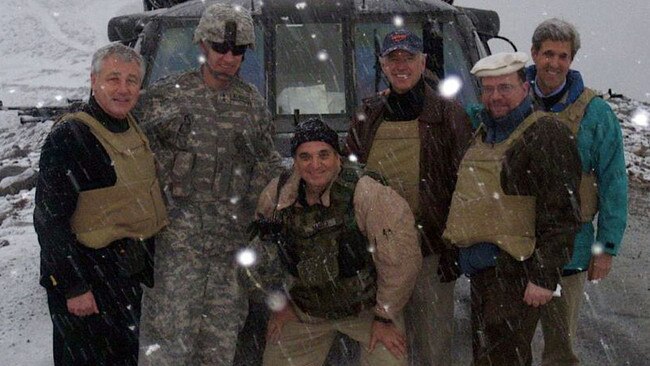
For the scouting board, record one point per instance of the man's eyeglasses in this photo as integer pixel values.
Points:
(503, 89)
(224, 47)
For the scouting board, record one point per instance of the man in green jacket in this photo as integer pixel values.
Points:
(558, 89)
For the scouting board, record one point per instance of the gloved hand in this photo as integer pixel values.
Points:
(448, 268)
(266, 229)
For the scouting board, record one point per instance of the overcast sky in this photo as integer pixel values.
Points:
(615, 37)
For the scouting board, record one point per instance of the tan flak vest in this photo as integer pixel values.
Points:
(480, 210)
(133, 207)
(395, 154)
(588, 191)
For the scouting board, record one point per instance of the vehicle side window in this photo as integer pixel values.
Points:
(456, 63)
(175, 53)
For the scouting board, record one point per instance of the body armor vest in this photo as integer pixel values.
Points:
(133, 207)
(588, 191)
(395, 153)
(328, 255)
(480, 210)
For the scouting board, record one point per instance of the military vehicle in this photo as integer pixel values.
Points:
(316, 57)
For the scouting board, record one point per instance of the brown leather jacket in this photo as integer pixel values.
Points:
(445, 133)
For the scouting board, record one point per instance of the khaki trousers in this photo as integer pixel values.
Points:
(429, 317)
(560, 322)
(306, 343)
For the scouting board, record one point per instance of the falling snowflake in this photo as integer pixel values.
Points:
(246, 257)
(398, 21)
(641, 117)
(597, 248)
(322, 55)
(450, 86)
(151, 349)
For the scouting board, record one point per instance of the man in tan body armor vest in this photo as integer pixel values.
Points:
(349, 256)
(560, 90)
(98, 205)
(514, 212)
(416, 139)
(213, 139)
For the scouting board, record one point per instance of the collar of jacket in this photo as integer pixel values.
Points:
(575, 87)
(377, 104)
(406, 106)
(289, 192)
(499, 129)
(112, 124)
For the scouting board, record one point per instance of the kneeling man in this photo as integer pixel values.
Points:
(349, 250)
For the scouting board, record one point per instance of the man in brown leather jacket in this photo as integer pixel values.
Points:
(416, 139)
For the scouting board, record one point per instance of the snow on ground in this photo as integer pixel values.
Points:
(47, 44)
(46, 48)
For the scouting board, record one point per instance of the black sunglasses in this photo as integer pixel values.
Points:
(224, 47)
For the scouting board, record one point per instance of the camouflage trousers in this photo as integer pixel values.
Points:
(195, 310)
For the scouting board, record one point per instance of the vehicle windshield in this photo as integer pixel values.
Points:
(309, 62)
(309, 74)
(177, 53)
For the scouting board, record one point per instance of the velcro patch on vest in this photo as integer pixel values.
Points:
(323, 225)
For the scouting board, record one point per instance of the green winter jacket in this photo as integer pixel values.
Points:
(600, 144)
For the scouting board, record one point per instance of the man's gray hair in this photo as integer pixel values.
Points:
(555, 29)
(120, 52)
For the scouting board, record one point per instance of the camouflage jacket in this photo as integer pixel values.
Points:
(212, 147)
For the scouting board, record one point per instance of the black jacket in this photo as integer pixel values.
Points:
(72, 161)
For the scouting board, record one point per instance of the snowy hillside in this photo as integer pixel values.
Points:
(46, 47)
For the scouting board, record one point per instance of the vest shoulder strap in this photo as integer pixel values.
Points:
(525, 124)
(98, 129)
(574, 113)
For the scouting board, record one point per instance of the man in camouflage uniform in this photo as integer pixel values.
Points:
(212, 136)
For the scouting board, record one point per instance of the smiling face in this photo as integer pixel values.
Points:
(553, 60)
(502, 94)
(116, 87)
(403, 69)
(317, 163)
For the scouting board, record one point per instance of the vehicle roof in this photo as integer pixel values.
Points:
(124, 27)
(195, 8)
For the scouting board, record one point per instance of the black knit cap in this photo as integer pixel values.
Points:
(314, 130)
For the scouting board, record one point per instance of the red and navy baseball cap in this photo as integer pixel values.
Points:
(401, 40)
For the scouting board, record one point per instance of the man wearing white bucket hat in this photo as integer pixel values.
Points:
(514, 212)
